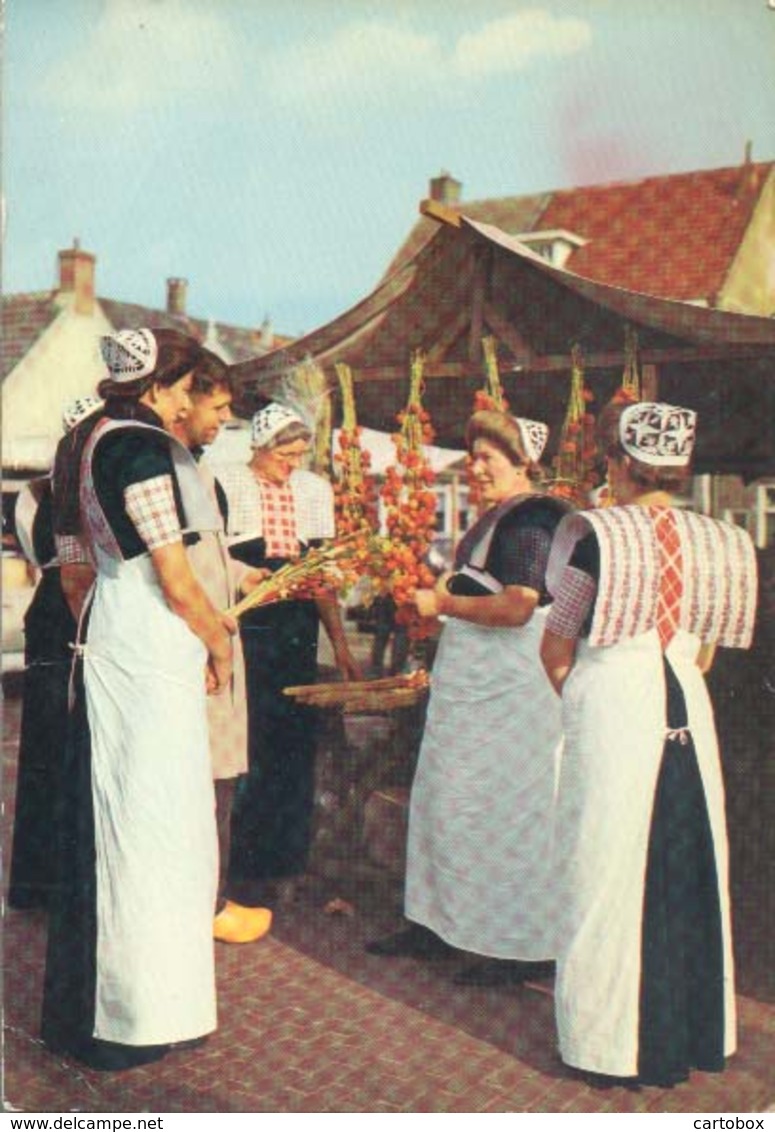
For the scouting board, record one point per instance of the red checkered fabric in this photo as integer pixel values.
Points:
(279, 519)
(150, 505)
(71, 551)
(572, 603)
(670, 574)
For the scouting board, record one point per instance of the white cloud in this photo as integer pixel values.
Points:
(367, 59)
(514, 42)
(144, 54)
(359, 59)
(141, 51)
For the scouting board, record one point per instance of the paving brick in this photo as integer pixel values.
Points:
(309, 1023)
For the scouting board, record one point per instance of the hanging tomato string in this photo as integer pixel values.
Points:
(574, 464)
(355, 493)
(410, 507)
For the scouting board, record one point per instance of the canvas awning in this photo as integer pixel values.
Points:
(472, 280)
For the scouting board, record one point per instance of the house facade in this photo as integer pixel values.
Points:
(49, 355)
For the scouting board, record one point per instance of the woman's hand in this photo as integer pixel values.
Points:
(252, 578)
(217, 673)
(428, 602)
(557, 656)
(230, 624)
(346, 662)
(441, 582)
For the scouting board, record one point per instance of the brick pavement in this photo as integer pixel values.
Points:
(310, 1023)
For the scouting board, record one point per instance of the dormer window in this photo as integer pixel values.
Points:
(555, 245)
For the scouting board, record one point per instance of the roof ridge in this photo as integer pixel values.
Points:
(623, 183)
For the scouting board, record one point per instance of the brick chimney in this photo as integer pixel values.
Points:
(445, 189)
(76, 277)
(266, 334)
(176, 296)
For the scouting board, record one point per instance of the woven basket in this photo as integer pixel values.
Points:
(364, 697)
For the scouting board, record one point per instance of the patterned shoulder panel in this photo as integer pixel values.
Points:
(721, 579)
(719, 574)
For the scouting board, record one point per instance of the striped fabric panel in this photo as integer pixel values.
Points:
(719, 575)
(723, 576)
(629, 575)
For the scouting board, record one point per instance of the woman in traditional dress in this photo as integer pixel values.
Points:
(130, 966)
(482, 804)
(643, 592)
(276, 511)
(49, 631)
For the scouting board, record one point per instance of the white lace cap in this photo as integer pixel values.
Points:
(270, 420)
(129, 354)
(658, 434)
(534, 437)
(77, 410)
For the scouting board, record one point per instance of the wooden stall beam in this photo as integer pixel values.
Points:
(441, 212)
(449, 335)
(507, 333)
(478, 290)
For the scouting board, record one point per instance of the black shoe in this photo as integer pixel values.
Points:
(502, 972)
(113, 1057)
(415, 941)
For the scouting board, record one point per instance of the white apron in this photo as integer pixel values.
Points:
(482, 805)
(154, 811)
(613, 711)
(227, 714)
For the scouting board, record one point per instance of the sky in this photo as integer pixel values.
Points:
(274, 154)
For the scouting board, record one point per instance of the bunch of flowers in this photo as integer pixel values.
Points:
(321, 572)
(410, 510)
(574, 464)
(355, 492)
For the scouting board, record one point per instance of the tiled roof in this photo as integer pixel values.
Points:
(24, 318)
(511, 214)
(240, 342)
(673, 236)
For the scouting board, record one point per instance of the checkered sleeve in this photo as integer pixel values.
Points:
(150, 504)
(572, 603)
(71, 551)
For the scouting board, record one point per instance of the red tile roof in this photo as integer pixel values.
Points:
(512, 214)
(673, 236)
(26, 316)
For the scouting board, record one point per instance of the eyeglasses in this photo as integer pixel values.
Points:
(289, 456)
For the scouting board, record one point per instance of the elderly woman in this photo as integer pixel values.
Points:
(276, 510)
(644, 591)
(482, 803)
(130, 968)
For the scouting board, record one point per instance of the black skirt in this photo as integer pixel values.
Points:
(682, 992)
(274, 801)
(49, 628)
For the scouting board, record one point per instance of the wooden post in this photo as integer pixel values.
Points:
(649, 382)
